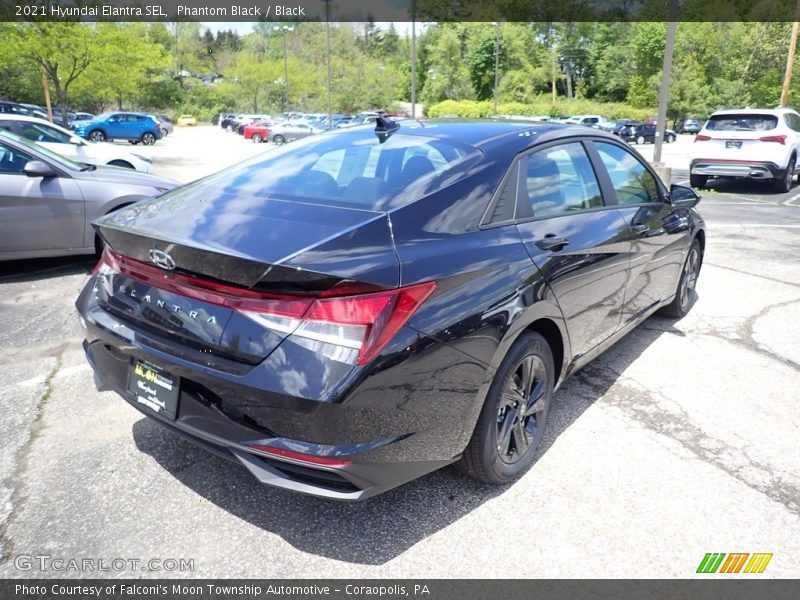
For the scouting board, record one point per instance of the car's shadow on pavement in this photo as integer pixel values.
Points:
(378, 529)
(36, 269)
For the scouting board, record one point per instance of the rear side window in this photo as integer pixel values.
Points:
(742, 122)
(561, 180)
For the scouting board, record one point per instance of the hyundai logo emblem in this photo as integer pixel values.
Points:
(162, 259)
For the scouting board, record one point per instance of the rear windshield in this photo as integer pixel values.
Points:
(351, 169)
(744, 122)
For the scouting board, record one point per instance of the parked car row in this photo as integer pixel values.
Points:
(65, 142)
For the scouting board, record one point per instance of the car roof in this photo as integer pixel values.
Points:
(755, 111)
(29, 119)
(475, 132)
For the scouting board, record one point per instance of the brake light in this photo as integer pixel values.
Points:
(362, 322)
(701, 138)
(780, 139)
(299, 456)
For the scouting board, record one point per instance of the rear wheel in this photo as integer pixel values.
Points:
(279, 140)
(698, 181)
(640, 139)
(684, 295)
(257, 138)
(513, 418)
(97, 136)
(148, 139)
(784, 184)
(164, 132)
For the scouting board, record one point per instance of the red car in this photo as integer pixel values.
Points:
(258, 132)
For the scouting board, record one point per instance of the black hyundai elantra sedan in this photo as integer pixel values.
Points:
(352, 311)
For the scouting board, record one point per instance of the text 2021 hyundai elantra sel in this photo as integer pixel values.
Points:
(355, 310)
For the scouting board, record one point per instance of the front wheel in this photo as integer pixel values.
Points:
(279, 140)
(670, 138)
(164, 132)
(640, 140)
(684, 295)
(514, 415)
(256, 138)
(148, 139)
(97, 136)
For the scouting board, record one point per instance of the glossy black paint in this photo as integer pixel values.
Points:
(414, 407)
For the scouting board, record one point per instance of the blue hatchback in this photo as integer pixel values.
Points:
(134, 127)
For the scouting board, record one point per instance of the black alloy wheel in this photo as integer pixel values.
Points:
(685, 294)
(514, 416)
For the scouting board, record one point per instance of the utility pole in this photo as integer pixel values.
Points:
(413, 63)
(46, 87)
(663, 100)
(497, 60)
(787, 77)
(328, 44)
(285, 29)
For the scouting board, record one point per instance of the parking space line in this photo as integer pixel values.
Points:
(767, 225)
(792, 200)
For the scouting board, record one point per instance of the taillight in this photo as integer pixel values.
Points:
(362, 322)
(780, 139)
(701, 138)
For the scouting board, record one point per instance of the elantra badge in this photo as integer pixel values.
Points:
(162, 259)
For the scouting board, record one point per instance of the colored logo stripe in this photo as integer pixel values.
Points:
(734, 563)
(712, 562)
(758, 563)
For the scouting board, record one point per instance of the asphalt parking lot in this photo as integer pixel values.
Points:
(678, 441)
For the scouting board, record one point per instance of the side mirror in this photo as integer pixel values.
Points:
(37, 168)
(683, 197)
(76, 140)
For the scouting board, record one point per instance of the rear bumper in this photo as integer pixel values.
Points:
(389, 423)
(736, 168)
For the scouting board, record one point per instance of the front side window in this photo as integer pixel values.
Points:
(41, 133)
(633, 183)
(561, 180)
(12, 160)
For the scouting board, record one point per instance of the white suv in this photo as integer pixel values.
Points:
(66, 143)
(747, 143)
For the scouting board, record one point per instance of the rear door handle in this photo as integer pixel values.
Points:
(639, 228)
(552, 243)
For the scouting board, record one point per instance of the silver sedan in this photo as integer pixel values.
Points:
(47, 202)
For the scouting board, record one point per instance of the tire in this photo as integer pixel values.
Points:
(164, 133)
(684, 294)
(490, 456)
(96, 135)
(257, 138)
(670, 138)
(784, 184)
(148, 138)
(121, 163)
(640, 139)
(279, 140)
(698, 181)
